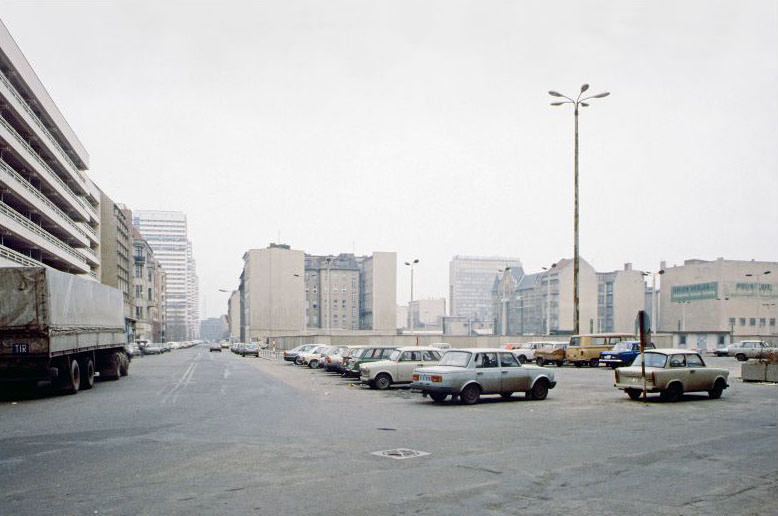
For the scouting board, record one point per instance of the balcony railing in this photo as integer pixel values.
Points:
(8, 211)
(46, 167)
(26, 185)
(19, 258)
(41, 126)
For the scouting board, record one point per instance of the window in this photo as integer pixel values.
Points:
(429, 356)
(752, 321)
(508, 360)
(742, 321)
(486, 360)
(677, 361)
(772, 321)
(762, 322)
(682, 339)
(732, 321)
(694, 361)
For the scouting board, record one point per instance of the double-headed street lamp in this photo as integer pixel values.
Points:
(410, 304)
(577, 102)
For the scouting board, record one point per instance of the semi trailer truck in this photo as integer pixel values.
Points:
(60, 327)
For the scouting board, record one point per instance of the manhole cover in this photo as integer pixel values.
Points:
(400, 453)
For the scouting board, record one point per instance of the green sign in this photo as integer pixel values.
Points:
(749, 289)
(696, 292)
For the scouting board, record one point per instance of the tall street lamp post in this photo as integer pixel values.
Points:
(411, 324)
(548, 298)
(577, 102)
(758, 296)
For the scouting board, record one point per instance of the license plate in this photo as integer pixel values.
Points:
(425, 378)
(21, 348)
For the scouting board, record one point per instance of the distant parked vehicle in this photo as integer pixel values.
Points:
(470, 373)
(398, 368)
(152, 349)
(525, 352)
(367, 354)
(291, 354)
(622, 353)
(671, 372)
(215, 346)
(585, 349)
(746, 349)
(250, 349)
(551, 353)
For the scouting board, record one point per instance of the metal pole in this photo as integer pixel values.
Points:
(575, 224)
(410, 311)
(548, 302)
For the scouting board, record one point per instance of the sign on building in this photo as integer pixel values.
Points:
(696, 292)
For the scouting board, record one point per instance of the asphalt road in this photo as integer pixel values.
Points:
(192, 432)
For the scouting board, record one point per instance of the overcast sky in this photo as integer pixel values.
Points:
(424, 127)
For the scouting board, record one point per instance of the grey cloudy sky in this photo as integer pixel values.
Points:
(424, 127)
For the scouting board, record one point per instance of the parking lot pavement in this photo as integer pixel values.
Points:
(586, 449)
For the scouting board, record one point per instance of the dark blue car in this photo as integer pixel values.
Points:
(622, 353)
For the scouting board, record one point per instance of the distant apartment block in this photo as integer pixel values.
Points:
(116, 250)
(167, 234)
(378, 291)
(214, 328)
(471, 279)
(234, 315)
(332, 290)
(49, 213)
(148, 291)
(427, 313)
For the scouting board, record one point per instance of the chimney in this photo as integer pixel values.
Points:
(627, 266)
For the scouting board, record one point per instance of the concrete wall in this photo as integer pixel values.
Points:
(384, 295)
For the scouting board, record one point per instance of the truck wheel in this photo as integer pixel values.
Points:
(560, 363)
(718, 388)
(71, 376)
(540, 390)
(470, 394)
(124, 368)
(594, 362)
(113, 367)
(633, 394)
(87, 367)
(382, 381)
(539, 361)
(741, 357)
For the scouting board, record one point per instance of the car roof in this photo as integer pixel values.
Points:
(482, 350)
(675, 351)
(418, 348)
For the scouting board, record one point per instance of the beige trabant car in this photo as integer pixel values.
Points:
(552, 353)
(398, 368)
(671, 372)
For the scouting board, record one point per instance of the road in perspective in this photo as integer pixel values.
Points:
(196, 432)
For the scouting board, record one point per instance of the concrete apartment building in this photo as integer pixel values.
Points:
(234, 315)
(148, 291)
(332, 290)
(214, 328)
(378, 291)
(531, 304)
(48, 205)
(272, 292)
(427, 313)
(734, 297)
(116, 251)
(471, 279)
(167, 234)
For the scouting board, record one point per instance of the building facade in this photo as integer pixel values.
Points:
(427, 313)
(378, 291)
(332, 292)
(234, 315)
(148, 291)
(214, 328)
(471, 280)
(49, 208)
(167, 234)
(116, 250)
(735, 296)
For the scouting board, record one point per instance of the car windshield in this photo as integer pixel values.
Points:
(622, 346)
(652, 360)
(455, 358)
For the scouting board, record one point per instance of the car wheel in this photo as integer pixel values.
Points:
(741, 357)
(633, 394)
(298, 361)
(313, 364)
(539, 361)
(594, 362)
(718, 388)
(522, 359)
(470, 394)
(672, 392)
(438, 397)
(560, 363)
(506, 395)
(382, 381)
(87, 367)
(540, 390)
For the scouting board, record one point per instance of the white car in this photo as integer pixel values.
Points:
(313, 357)
(398, 368)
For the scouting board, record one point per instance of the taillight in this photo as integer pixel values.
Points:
(415, 378)
(436, 378)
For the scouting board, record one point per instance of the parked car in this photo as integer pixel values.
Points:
(132, 350)
(585, 349)
(671, 372)
(368, 354)
(334, 358)
(250, 348)
(152, 349)
(312, 356)
(290, 355)
(470, 373)
(551, 354)
(215, 346)
(350, 355)
(623, 353)
(525, 352)
(398, 368)
(746, 349)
